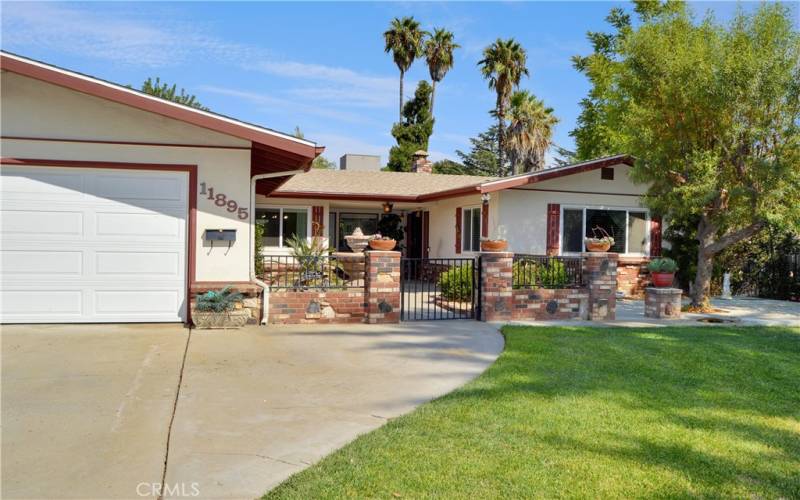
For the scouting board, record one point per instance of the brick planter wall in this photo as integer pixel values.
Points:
(600, 275)
(544, 303)
(317, 306)
(662, 303)
(633, 276)
(383, 287)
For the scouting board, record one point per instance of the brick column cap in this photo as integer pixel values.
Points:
(664, 290)
(600, 255)
(384, 252)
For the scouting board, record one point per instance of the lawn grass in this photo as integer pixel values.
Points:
(593, 412)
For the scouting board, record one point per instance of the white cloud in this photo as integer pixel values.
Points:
(123, 37)
(270, 103)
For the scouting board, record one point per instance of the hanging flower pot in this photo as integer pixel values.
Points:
(600, 241)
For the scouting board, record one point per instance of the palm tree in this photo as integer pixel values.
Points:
(530, 131)
(404, 40)
(438, 50)
(503, 64)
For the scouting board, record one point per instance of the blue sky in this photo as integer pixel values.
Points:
(319, 66)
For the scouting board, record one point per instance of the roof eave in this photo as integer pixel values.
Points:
(544, 175)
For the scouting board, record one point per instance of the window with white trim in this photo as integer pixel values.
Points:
(280, 224)
(471, 229)
(628, 227)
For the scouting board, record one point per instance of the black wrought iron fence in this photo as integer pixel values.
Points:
(314, 273)
(542, 271)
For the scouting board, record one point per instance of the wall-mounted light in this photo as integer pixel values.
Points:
(485, 197)
(387, 207)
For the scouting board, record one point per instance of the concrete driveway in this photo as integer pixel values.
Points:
(90, 411)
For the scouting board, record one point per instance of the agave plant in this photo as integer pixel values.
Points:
(219, 301)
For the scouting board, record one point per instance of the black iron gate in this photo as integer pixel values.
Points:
(434, 289)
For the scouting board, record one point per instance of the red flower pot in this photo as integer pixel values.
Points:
(662, 280)
(382, 245)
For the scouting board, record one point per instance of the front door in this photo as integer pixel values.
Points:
(417, 234)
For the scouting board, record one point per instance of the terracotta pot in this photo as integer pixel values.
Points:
(494, 245)
(382, 245)
(594, 246)
(662, 280)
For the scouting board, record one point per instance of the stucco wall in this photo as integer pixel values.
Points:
(31, 108)
(443, 223)
(524, 211)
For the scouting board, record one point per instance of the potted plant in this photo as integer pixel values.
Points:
(600, 241)
(498, 243)
(220, 309)
(663, 271)
(382, 243)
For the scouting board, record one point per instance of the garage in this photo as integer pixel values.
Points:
(91, 245)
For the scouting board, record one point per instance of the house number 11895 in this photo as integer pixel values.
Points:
(221, 200)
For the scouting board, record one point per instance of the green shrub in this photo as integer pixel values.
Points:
(456, 283)
(662, 265)
(258, 245)
(530, 273)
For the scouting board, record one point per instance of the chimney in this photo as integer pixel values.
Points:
(420, 163)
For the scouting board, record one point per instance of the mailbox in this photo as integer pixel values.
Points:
(220, 235)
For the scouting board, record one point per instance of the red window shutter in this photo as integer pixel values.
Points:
(458, 230)
(485, 220)
(553, 228)
(317, 221)
(655, 237)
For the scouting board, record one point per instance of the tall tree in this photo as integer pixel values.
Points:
(482, 158)
(320, 162)
(503, 65)
(712, 114)
(439, 48)
(413, 131)
(404, 40)
(170, 93)
(530, 131)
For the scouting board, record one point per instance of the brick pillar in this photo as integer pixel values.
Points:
(497, 301)
(662, 302)
(383, 287)
(600, 275)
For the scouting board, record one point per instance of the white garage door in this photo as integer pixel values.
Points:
(92, 245)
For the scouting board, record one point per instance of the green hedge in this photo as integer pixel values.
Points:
(456, 283)
(530, 273)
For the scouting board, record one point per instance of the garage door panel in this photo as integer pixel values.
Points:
(29, 264)
(41, 223)
(139, 187)
(139, 226)
(145, 264)
(42, 183)
(23, 304)
(93, 245)
(137, 302)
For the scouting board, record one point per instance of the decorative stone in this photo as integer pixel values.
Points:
(552, 307)
(662, 303)
(385, 307)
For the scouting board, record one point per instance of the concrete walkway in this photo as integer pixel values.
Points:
(741, 311)
(86, 409)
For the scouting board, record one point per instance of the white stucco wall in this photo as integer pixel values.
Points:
(524, 212)
(443, 223)
(31, 108)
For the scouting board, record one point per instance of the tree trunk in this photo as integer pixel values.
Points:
(501, 135)
(433, 94)
(400, 120)
(705, 263)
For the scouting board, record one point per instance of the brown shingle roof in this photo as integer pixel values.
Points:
(388, 185)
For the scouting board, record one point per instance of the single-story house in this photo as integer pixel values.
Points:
(119, 207)
(445, 216)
